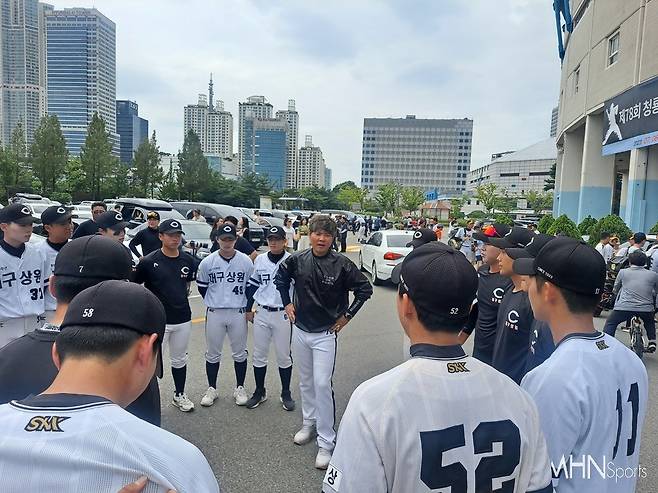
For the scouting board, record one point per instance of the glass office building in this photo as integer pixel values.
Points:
(266, 150)
(132, 129)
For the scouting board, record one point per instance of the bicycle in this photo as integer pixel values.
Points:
(637, 335)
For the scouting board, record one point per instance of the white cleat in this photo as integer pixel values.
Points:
(323, 458)
(240, 395)
(183, 403)
(209, 397)
(305, 435)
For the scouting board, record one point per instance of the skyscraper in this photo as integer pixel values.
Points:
(265, 149)
(327, 178)
(254, 107)
(426, 153)
(23, 71)
(311, 166)
(291, 117)
(131, 128)
(211, 123)
(554, 115)
(81, 50)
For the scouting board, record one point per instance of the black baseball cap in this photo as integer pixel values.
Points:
(227, 230)
(96, 257)
(495, 230)
(111, 220)
(153, 215)
(517, 237)
(531, 250)
(55, 214)
(170, 226)
(276, 232)
(422, 236)
(435, 265)
(569, 264)
(17, 213)
(639, 237)
(141, 311)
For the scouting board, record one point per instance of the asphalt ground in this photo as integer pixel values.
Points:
(252, 450)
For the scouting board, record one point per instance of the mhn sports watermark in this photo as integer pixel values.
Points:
(588, 467)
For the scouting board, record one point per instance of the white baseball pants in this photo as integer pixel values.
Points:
(315, 359)
(272, 326)
(222, 321)
(177, 337)
(13, 328)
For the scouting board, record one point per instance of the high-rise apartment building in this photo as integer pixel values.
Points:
(311, 166)
(132, 129)
(211, 123)
(327, 178)
(23, 70)
(254, 107)
(426, 153)
(81, 52)
(291, 117)
(265, 149)
(554, 115)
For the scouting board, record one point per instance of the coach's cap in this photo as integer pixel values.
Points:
(140, 311)
(437, 264)
(422, 236)
(55, 214)
(532, 249)
(567, 263)
(276, 233)
(17, 213)
(227, 230)
(153, 215)
(517, 237)
(111, 220)
(170, 226)
(495, 230)
(93, 257)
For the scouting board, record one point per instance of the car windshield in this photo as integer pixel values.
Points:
(197, 230)
(39, 208)
(398, 241)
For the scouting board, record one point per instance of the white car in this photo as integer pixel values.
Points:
(383, 251)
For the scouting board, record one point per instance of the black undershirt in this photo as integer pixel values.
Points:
(14, 252)
(275, 258)
(56, 246)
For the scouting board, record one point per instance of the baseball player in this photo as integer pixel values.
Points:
(441, 421)
(592, 391)
(148, 239)
(167, 273)
(58, 226)
(319, 310)
(23, 275)
(271, 323)
(77, 428)
(222, 281)
(112, 225)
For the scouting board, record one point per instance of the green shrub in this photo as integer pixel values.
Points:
(565, 227)
(477, 215)
(654, 230)
(545, 223)
(504, 219)
(586, 225)
(611, 224)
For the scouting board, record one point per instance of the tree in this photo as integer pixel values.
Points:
(586, 224)
(169, 188)
(147, 174)
(15, 173)
(72, 182)
(96, 157)
(545, 223)
(48, 154)
(538, 201)
(388, 197)
(456, 205)
(412, 198)
(194, 173)
(504, 219)
(610, 224)
(488, 196)
(549, 183)
(654, 229)
(564, 226)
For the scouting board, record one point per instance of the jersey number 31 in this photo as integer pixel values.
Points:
(434, 443)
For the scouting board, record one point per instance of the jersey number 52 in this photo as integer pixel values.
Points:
(434, 443)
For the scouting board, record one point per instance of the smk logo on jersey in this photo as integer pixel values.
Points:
(512, 321)
(46, 423)
(457, 367)
(498, 294)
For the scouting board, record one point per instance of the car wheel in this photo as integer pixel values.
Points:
(375, 279)
(361, 267)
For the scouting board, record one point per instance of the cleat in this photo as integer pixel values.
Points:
(287, 401)
(323, 458)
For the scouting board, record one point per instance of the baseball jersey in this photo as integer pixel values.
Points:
(592, 399)
(441, 421)
(23, 281)
(263, 278)
(49, 251)
(541, 345)
(225, 280)
(68, 442)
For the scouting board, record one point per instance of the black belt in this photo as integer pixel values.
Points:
(272, 309)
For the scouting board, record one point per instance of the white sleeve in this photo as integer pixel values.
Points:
(254, 278)
(356, 465)
(248, 269)
(540, 465)
(202, 273)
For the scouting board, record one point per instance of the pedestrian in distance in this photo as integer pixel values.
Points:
(342, 234)
(290, 235)
(90, 226)
(303, 242)
(196, 216)
(604, 247)
(148, 239)
(241, 245)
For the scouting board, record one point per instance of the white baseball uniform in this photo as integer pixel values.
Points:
(270, 321)
(441, 421)
(226, 282)
(23, 285)
(50, 255)
(67, 442)
(592, 399)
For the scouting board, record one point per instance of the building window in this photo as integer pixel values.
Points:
(613, 48)
(576, 79)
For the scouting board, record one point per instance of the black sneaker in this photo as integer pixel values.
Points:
(259, 396)
(287, 401)
(651, 347)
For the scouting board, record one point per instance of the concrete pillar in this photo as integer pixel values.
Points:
(570, 174)
(623, 196)
(558, 173)
(597, 175)
(651, 197)
(636, 195)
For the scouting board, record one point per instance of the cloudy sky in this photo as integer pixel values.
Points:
(493, 61)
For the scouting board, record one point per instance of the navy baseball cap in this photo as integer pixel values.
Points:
(170, 226)
(141, 311)
(17, 213)
(517, 237)
(56, 214)
(422, 236)
(111, 220)
(227, 230)
(567, 263)
(276, 232)
(531, 250)
(93, 257)
(495, 230)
